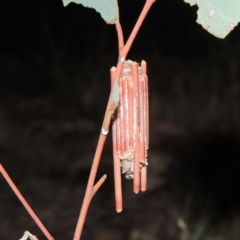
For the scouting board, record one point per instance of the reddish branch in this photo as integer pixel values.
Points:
(123, 51)
(111, 107)
(25, 204)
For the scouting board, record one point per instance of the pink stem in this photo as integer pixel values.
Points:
(99, 183)
(89, 191)
(136, 28)
(120, 36)
(109, 111)
(25, 204)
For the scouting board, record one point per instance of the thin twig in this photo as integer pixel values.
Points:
(137, 26)
(112, 105)
(25, 204)
(99, 183)
(89, 191)
(120, 36)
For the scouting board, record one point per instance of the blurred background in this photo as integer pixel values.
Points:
(54, 87)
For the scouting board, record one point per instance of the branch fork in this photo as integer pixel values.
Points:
(128, 107)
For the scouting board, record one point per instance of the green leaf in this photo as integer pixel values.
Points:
(219, 17)
(107, 8)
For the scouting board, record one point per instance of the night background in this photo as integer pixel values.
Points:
(54, 87)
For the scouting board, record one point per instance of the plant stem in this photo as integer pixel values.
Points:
(120, 36)
(136, 28)
(25, 204)
(89, 191)
(112, 105)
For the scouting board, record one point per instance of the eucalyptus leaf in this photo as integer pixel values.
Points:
(107, 8)
(218, 17)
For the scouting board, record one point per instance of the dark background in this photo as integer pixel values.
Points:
(54, 86)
